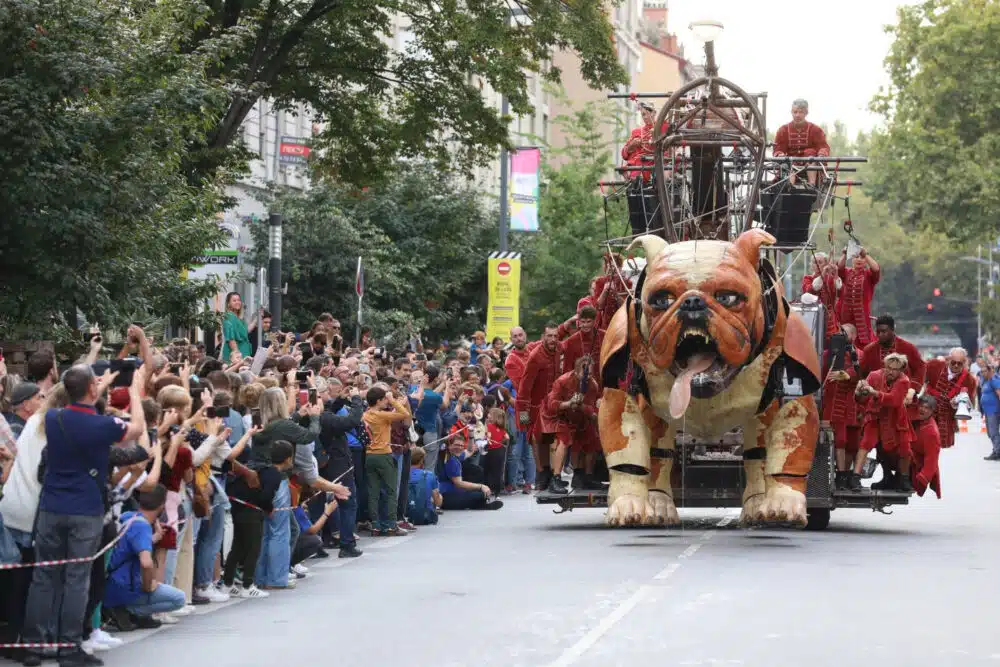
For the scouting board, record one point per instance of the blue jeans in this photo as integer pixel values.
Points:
(275, 552)
(208, 539)
(163, 599)
(993, 429)
(521, 463)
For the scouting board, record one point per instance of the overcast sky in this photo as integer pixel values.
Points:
(829, 52)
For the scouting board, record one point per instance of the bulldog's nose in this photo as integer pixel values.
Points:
(693, 302)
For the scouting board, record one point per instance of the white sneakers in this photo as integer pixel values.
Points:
(166, 618)
(252, 592)
(100, 641)
(299, 570)
(211, 594)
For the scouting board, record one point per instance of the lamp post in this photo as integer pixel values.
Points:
(505, 158)
(274, 269)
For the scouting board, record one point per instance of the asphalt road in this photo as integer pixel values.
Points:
(524, 587)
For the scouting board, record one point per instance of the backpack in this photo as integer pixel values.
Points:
(418, 509)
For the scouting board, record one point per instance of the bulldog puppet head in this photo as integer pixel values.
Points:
(702, 308)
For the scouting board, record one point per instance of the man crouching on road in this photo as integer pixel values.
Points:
(884, 394)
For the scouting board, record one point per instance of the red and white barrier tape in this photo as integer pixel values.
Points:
(40, 646)
(68, 561)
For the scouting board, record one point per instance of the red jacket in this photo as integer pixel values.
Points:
(885, 418)
(580, 344)
(854, 303)
(576, 426)
(827, 294)
(540, 373)
(809, 140)
(875, 354)
(516, 360)
(943, 389)
(926, 450)
(839, 405)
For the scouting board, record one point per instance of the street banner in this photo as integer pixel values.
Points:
(504, 299)
(293, 150)
(524, 166)
(359, 289)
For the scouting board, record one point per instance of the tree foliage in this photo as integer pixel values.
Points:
(565, 255)
(378, 103)
(937, 164)
(914, 262)
(97, 106)
(421, 237)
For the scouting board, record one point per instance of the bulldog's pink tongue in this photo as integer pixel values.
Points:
(680, 394)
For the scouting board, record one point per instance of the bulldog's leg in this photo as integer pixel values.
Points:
(754, 455)
(626, 439)
(791, 442)
(661, 492)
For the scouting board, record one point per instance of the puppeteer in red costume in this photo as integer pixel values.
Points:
(640, 151)
(800, 138)
(884, 395)
(540, 373)
(572, 406)
(886, 343)
(842, 370)
(586, 341)
(945, 381)
(926, 447)
(825, 284)
(854, 303)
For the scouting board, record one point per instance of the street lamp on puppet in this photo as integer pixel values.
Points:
(707, 31)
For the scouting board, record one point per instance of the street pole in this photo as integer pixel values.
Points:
(503, 184)
(979, 296)
(274, 270)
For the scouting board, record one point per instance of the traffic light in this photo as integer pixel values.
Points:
(937, 291)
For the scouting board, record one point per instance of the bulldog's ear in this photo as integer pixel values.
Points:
(651, 244)
(749, 242)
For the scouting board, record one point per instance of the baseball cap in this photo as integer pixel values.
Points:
(23, 392)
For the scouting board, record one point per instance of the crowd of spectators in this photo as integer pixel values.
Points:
(198, 477)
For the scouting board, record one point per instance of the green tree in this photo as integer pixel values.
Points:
(377, 103)
(937, 164)
(98, 106)
(421, 236)
(565, 255)
(914, 262)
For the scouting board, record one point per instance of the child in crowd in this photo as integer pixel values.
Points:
(496, 449)
(250, 506)
(424, 493)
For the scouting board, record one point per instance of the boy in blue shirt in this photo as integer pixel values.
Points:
(131, 571)
(425, 497)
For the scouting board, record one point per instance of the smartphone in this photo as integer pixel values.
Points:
(175, 368)
(255, 417)
(91, 335)
(364, 368)
(222, 412)
(125, 369)
(302, 376)
(210, 412)
(313, 397)
(420, 356)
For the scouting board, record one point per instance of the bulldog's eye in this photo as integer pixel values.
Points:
(661, 300)
(729, 299)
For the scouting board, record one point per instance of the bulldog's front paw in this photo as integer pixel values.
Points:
(784, 504)
(664, 510)
(630, 510)
(751, 510)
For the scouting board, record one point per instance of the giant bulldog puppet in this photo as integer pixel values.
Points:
(709, 321)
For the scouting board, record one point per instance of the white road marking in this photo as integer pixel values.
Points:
(667, 571)
(690, 551)
(574, 652)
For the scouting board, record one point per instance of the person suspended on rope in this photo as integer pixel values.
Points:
(800, 138)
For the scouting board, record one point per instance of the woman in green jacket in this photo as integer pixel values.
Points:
(235, 332)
